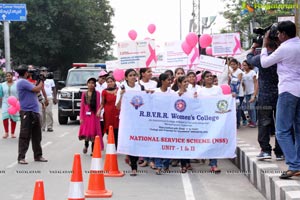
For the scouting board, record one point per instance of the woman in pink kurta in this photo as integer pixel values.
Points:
(89, 116)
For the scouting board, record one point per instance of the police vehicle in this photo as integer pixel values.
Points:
(69, 97)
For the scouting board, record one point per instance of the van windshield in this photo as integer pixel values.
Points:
(79, 77)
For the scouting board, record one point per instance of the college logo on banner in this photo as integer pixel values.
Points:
(180, 105)
(137, 101)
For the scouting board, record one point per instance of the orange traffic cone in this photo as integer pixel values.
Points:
(76, 184)
(96, 186)
(111, 161)
(38, 190)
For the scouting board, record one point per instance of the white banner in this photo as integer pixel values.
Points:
(137, 54)
(169, 126)
(211, 64)
(226, 44)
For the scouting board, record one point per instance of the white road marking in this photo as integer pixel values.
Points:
(187, 186)
(64, 134)
(15, 163)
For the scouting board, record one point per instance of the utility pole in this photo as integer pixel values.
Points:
(7, 46)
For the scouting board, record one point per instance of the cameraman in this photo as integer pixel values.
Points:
(30, 117)
(49, 87)
(288, 106)
(267, 100)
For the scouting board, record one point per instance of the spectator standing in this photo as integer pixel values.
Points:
(47, 115)
(7, 89)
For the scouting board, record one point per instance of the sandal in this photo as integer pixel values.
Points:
(144, 164)
(23, 162)
(215, 169)
(5, 136)
(289, 173)
(13, 136)
(189, 167)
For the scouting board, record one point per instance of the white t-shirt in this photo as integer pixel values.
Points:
(193, 89)
(48, 85)
(213, 91)
(99, 87)
(248, 81)
(169, 90)
(150, 85)
(188, 94)
(137, 87)
(236, 74)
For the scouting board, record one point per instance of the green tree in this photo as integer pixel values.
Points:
(60, 32)
(239, 18)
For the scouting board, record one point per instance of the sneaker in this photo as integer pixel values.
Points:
(279, 157)
(263, 155)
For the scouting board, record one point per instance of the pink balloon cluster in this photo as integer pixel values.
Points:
(190, 42)
(14, 105)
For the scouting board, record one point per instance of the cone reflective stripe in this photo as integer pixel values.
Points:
(76, 184)
(39, 190)
(96, 164)
(96, 187)
(111, 160)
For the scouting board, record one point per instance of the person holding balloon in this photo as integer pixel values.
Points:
(10, 105)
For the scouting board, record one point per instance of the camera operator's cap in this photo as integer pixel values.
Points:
(103, 73)
(43, 68)
(91, 79)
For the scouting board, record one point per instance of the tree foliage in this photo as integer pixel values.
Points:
(239, 19)
(60, 32)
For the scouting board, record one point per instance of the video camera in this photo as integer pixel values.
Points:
(260, 32)
(38, 76)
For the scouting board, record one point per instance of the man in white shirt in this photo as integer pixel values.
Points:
(47, 115)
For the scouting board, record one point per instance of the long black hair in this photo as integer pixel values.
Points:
(93, 101)
(162, 77)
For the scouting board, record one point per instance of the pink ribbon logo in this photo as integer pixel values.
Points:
(237, 45)
(152, 56)
(193, 58)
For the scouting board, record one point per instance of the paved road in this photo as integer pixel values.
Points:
(17, 181)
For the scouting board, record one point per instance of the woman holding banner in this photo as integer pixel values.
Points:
(130, 84)
(209, 89)
(164, 84)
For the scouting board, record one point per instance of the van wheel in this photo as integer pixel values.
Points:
(62, 119)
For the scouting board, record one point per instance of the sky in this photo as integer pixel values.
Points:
(164, 14)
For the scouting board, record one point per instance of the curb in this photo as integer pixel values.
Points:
(264, 175)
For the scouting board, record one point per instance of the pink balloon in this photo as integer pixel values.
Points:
(208, 51)
(226, 89)
(12, 110)
(18, 106)
(132, 34)
(186, 48)
(151, 28)
(119, 74)
(205, 40)
(191, 39)
(12, 100)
